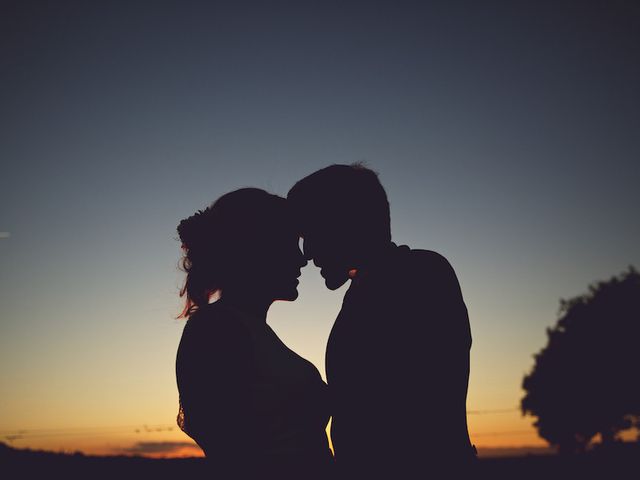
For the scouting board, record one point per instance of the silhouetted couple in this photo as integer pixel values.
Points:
(397, 359)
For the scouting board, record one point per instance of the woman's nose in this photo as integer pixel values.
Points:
(302, 261)
(306, 247)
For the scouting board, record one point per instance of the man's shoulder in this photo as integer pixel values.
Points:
(424, 264)
(427, 257)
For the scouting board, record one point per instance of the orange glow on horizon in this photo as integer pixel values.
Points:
(491, 438)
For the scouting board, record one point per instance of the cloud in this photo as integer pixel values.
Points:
(155, 448)
(5, 234)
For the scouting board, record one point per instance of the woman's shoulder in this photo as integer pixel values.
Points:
(215, 355)
(215, 330)
(216, 318)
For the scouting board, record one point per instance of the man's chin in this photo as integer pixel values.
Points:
(334, 283)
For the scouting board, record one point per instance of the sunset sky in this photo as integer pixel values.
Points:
(505, 133)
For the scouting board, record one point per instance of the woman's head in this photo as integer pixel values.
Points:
(245, 243)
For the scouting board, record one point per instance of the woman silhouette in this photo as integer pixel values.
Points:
(252, 404)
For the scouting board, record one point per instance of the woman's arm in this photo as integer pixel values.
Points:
(215, 371)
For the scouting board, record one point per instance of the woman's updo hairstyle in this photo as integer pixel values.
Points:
(216, 240)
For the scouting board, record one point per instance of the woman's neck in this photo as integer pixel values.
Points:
(256, 308)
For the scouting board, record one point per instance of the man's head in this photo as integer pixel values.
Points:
(344, 213)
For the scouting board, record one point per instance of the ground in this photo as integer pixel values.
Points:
(621, 462)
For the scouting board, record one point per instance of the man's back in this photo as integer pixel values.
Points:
(398, 367)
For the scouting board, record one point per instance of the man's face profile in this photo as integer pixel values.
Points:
(328, 253)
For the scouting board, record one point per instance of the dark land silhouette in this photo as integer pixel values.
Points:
(622, 461)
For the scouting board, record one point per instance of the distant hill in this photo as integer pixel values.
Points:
(25, 463)
(501, 452)
(619, 463)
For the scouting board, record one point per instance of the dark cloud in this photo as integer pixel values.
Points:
(146, 448)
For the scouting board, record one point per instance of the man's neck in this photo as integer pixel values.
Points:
(374, 258)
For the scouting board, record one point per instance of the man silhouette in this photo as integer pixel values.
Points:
(397, 358)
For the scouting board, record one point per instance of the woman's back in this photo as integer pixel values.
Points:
(250, 402)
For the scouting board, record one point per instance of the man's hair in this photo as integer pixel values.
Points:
(346, 195)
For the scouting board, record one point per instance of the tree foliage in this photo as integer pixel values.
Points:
(585, 380)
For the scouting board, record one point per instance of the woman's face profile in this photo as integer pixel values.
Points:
(287, 262)
(276, 264)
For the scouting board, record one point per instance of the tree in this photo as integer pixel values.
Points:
(585, 381)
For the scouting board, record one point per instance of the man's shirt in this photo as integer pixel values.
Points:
(397, 365)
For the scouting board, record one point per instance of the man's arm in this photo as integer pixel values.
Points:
(426, 368)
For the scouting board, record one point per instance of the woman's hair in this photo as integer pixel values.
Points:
(216, 239)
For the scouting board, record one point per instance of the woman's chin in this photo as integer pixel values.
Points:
(288, 296)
